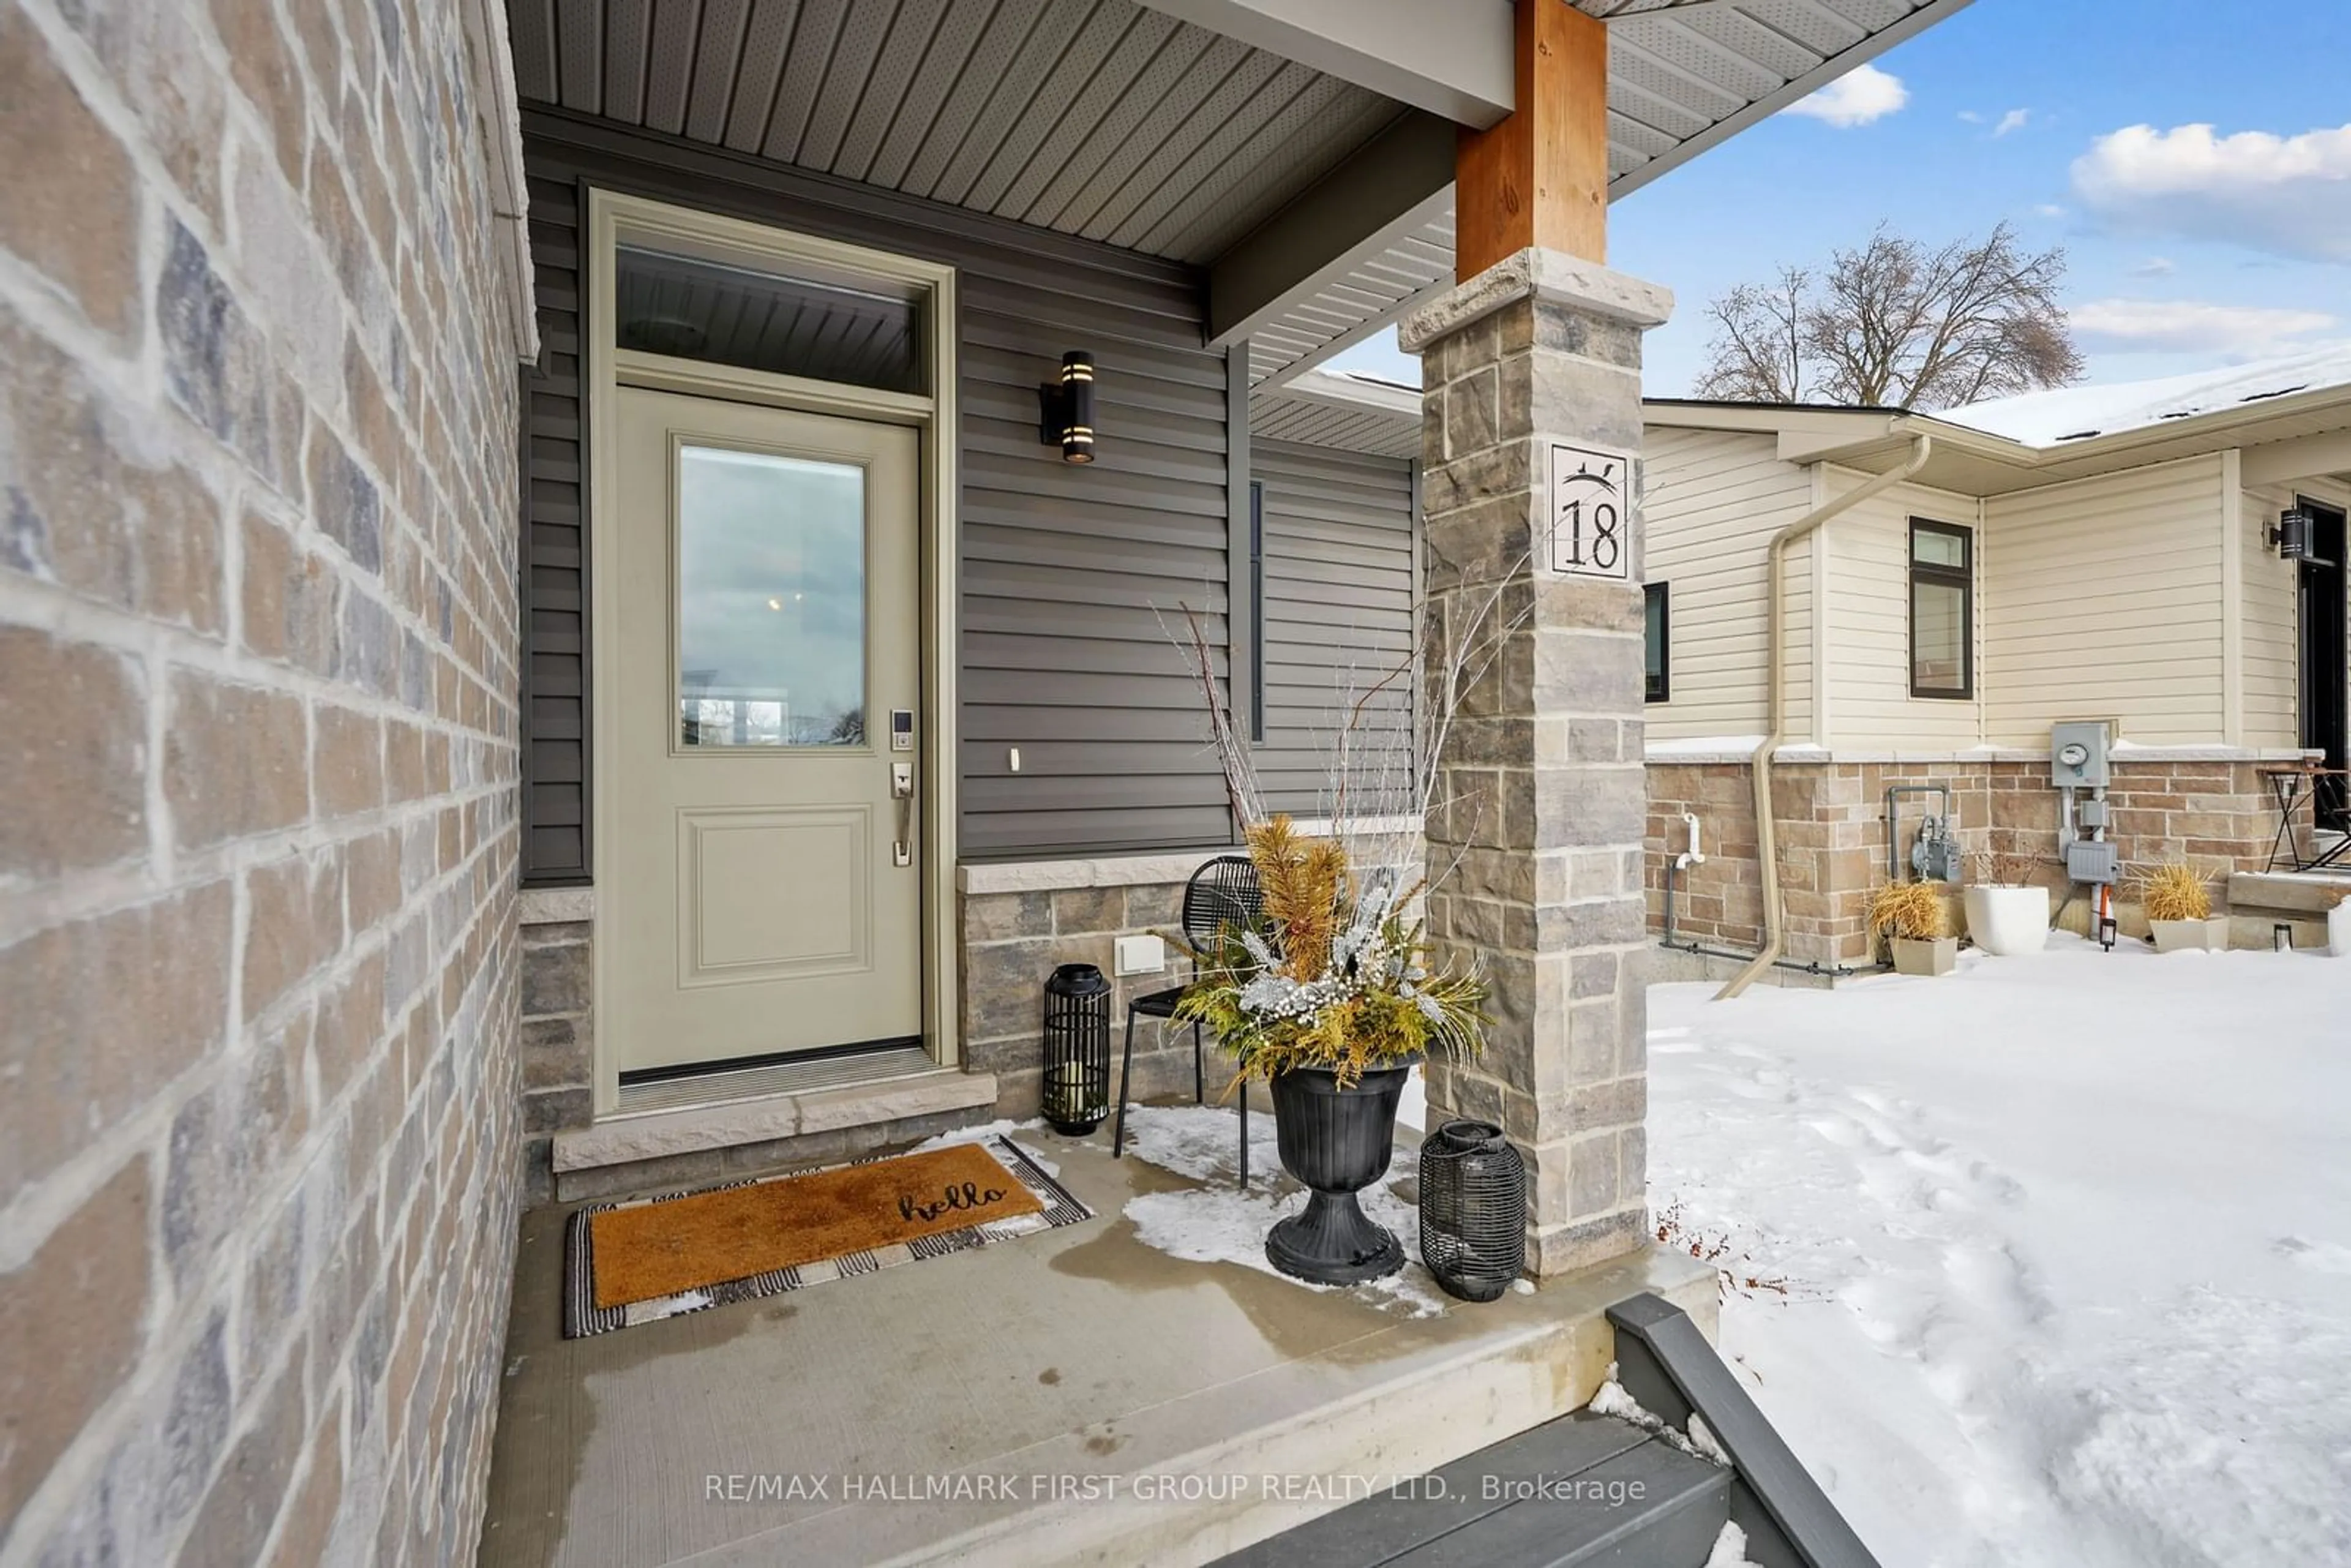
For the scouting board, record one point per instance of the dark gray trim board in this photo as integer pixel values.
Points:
(1068, 571)
(1665, 1364)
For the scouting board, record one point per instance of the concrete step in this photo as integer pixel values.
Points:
(2259, 901)
(2306, 894)
(1394, 1414)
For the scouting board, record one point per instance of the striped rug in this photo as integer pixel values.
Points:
(1055, 1206)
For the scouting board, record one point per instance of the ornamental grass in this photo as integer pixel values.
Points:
(1911, 909)
(2175, 891)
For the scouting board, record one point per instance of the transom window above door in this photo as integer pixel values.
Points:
(692, 308)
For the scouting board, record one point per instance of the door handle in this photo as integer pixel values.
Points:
(902, 790)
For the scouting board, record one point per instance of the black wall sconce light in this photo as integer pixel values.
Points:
(2291, 538)
(1065, 416)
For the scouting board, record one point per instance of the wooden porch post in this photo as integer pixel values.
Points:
(1531, 436)
(1541, 177)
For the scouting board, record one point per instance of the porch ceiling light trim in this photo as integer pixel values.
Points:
(1065, 408)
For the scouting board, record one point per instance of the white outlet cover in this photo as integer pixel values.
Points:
(1140, 956)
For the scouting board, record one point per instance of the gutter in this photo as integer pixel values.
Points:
(1766, 839)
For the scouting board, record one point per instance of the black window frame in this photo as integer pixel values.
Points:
(1661, 688)
(1961, 577)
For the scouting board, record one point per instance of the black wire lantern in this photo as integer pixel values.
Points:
(1473, 1209)
(1076, 1085)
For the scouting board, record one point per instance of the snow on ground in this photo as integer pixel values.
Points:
(1025, 1134)
(1218, 1223)
(2067, 1240)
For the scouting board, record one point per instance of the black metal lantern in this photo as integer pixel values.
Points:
(1076, 1085)
(1473, 1209)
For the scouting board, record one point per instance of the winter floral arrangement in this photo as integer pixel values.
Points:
(1340, 973)
(1337, 977)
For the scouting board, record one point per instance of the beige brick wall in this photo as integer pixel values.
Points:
(259, 1087)
(1831, 819)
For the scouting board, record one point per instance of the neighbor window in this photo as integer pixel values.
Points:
(1657, 638)
(1942, 610)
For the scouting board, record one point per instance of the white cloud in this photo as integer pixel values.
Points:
(1971, 116)
(2155, 266)
(2012, 120)
(2048, 210)
(2289, 194)
(1863, 94)
(2193, 326)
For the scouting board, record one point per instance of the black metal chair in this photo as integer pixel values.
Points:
(1222, 892)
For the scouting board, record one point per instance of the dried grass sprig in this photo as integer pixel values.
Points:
(2175, 891)
(1911, 909)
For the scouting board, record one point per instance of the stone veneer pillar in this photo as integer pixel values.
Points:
(1532, 365)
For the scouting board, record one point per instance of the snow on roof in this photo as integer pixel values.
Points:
(1372, 381)
(2076, 413)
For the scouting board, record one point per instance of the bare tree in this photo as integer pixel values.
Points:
(1896, 325)
(1758, 354)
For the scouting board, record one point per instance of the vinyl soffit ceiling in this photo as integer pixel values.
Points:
(1118, 123)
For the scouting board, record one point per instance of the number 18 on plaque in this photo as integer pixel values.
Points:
(1591, 507)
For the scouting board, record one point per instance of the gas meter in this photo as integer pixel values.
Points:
(1935, 857)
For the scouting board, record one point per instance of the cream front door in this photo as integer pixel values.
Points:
(763, 895)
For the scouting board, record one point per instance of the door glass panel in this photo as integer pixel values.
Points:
(694, 310)
(771, 599)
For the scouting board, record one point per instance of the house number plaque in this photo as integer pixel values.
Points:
(1591, 512)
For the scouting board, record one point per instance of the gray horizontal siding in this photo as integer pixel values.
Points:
(555, 850)
(1071, 576)
(1338, 589)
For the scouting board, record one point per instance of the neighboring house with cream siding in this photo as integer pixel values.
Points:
(2093, 553)
(2098, 553)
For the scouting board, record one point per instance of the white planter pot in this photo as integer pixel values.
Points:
(2339, 930)
(2009, 921)
(2190, 936)
(1939, 955)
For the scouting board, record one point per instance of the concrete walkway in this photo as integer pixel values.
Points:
(1071, 1396)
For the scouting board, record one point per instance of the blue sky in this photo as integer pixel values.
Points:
(2186, 252)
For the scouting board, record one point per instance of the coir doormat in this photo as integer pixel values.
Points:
(627, 1263)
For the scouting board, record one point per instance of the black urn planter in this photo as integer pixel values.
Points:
(1337, 1142)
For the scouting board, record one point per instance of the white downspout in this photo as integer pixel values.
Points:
(1776, 697)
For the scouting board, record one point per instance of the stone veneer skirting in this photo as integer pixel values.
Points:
(1017, 921)
(2209, 806)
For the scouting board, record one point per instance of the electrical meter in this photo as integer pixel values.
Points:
(2077, 755)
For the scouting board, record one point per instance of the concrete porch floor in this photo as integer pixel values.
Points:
(1050, 1380)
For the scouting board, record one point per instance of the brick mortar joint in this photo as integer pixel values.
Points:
(103, 891)
(72, 616)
